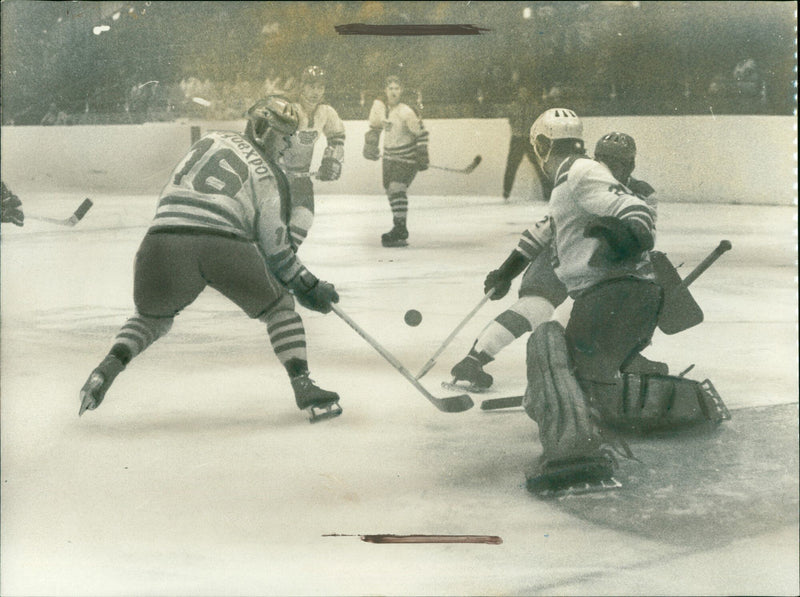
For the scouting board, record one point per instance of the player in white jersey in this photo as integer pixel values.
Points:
(540, 292)
(405, 152)
(316, 120)
(222, 221)
(602, 233)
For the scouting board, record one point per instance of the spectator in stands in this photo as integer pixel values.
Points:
(53, 116)
(748, 88)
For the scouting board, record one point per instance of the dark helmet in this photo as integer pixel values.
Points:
(616, 146)
(313, 74)
(272, 113)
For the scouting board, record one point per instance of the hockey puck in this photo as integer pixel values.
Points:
(413, 317)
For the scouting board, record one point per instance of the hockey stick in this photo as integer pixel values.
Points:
(427, 367)
(680, 311)
(467, 170)
(76, 217)
(724, 245)
(450, 404)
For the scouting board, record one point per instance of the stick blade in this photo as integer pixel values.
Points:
(680, 311)
(499, 403)
(474, 164)
(80, 212)
(83, 208)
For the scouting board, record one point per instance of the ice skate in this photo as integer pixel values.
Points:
(95, 388)
(397, 236)
(320, 404)
(470, 371)
(573, 476)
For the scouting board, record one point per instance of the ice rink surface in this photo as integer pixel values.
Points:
(198, 475)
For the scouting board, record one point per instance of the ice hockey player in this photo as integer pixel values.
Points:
(522, 112)
(540, 292)
(222, 221)
(405, 152)
(11, 207)
(602, 234)
(579, 387)
(316, 119)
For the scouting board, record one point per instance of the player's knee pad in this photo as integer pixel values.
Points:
(554, 399)
(284, 303)
(397, 188)
(535, 309)
(641, 402)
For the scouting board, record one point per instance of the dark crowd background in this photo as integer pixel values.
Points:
(131, 62)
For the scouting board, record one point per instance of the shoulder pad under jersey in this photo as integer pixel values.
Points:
(640, 187)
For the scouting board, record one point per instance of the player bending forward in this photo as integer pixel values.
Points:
(316, 119)
(221, 222)
(602, 235)
(541, 292)
(405, 152)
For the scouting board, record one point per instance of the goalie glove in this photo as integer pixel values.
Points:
(371, 140)
(501, 278)
(624, 239)
(422, 157)
(313, 293)
(329, 169)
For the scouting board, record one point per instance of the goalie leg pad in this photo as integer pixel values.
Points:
(555, 400)
(658, 402)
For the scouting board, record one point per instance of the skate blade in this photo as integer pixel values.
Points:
(87, 400)
(598, 486)
(87, 403)
(391, 245)
(465, 387)
(322, 413)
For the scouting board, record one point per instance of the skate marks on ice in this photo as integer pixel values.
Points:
(703, 489)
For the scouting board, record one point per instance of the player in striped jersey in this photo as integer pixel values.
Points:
(222, 221)
(316, 120)
(540, 292)
(405, 152)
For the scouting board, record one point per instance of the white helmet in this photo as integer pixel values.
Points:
(554, 124)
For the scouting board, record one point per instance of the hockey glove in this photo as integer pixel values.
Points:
(624, 239)
(11, 210)
(329, 169)
(371, 139)
(422, 158)
(313, 293)
(500, 279)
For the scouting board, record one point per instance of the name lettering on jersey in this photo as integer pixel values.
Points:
(251, 156)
